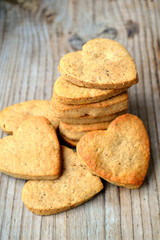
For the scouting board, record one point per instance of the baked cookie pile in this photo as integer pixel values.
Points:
(88, 105)
(59, 180)
(92, 88)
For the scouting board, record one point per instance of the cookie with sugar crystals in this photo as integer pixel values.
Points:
(11, 117)
(32, 152)
(107, 107)
(75, 186)
(69, 93)
(102, 63)
(119, 154)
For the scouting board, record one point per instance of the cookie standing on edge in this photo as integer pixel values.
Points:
(75, 186)
(33, 152)
(68, 93)
(119, 154)
(11, 117)
(102, 63)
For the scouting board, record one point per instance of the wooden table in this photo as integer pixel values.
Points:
(31, 45)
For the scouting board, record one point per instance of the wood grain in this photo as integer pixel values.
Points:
(31, 46)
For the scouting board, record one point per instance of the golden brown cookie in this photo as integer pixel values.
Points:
(12, 116)
(90, 120)
(75, 132)
(107, 107)
(102, 63)
(68, 93)
(119, 154)
(68, 142)
(75, 186)
(33, 152)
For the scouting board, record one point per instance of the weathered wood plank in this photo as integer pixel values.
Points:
(113, 212)
(30, 49)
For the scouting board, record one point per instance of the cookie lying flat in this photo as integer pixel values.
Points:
(75, 132)
(68, 93)
(102, 63)
(107, 107)
(119, 154)
(33, 152)
(90, 120)
(75, 186)
(68, 142)
(12, 116)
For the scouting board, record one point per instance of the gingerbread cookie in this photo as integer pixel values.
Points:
(33, 152)
(11, 117)
(75, 132)
(107, 107)
(75, 186)
(119, 154)
(102, 63)
(69, 93)
(90, 119)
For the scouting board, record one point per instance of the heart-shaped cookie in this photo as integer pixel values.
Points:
(75, 186)
(33, 152)
(90, 119)
(102, 63)
(75, 132)
(69, 93)
(11, 117)
(68, 142)
(107, 107)
(119, 154)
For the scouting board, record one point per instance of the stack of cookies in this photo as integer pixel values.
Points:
(91, 92)
(92, 88)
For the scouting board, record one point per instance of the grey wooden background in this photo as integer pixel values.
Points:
(31, 45)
